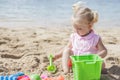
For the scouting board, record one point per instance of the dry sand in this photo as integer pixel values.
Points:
(26, 50)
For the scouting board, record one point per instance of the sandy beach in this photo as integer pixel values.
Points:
(27, 50)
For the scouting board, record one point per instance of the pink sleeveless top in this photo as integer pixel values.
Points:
(84, 45)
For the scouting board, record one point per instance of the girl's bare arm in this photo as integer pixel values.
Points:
(101, 48)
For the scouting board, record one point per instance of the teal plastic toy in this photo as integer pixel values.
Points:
(51, 67)
(12, 77)
(35, 77)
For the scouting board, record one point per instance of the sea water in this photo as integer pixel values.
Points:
(48, 13)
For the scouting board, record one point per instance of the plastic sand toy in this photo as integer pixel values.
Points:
(12, 77)
(24, 77)
(51, 67)
(54, 78)
(86, 67)
(69, 63)
(44, 76)
(35, 77)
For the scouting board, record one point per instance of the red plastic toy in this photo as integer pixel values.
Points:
(69, 63)
(55, 78)
(25, 77)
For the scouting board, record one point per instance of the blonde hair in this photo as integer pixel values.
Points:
(82, 11)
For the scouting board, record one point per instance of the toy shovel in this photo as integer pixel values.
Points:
(51, 67)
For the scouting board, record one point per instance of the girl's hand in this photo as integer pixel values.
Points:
(56, 57)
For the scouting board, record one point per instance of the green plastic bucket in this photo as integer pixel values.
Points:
(86, 67)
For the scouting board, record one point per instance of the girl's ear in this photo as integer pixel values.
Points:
(90, 25)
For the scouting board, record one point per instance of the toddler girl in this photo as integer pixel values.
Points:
(84, 40)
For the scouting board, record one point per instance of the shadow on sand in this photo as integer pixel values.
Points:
(113, 73)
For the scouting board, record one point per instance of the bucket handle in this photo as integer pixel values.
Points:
(90, 62)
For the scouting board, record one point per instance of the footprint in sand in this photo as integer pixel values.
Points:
(112, 40)
(3, 69)
(33, 35)
(2, 42)
(45, 59)
(37, 54)
(11, 56)
(7, 38)
(113, 60)
(17, 45)
(47, 40)
(36, 62)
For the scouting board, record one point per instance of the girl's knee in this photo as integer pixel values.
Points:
(67, 51)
